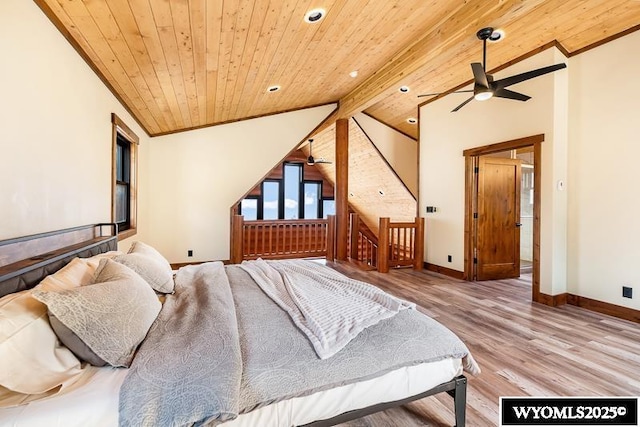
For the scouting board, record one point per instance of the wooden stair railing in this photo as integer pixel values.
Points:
(282, 239)
(400, 244)
(363, 247)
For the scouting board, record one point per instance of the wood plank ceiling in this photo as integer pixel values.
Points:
(181, 64)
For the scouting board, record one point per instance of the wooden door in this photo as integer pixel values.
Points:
(498, 223)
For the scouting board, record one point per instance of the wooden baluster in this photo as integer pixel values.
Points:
(418, 262)
(355, 231)
(412, 247)
(403, 248)
(331, 238)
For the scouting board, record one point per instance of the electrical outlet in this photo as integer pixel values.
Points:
(449, 258)
(627, 292)
(190, 252)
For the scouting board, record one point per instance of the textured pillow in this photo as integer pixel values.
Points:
(151, 265)
(109, 318)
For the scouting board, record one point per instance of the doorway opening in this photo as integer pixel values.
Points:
(502, 211)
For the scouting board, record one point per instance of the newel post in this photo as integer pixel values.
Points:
(418, 262)
(237, 239)
(383, 245)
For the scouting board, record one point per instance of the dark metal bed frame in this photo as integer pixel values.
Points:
(25, 261)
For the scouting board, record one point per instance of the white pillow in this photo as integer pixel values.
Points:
(33, 361)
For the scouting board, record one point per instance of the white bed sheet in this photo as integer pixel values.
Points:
(96, 403)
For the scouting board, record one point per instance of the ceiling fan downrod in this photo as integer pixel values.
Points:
(484, 34)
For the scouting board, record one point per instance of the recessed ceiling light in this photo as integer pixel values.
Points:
(354, 73)
(273, 88)
(404, 89)
(496, 36)
(412, 120)
(314, 15)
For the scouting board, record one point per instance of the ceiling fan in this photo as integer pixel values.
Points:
(484, 87)
(311, 161)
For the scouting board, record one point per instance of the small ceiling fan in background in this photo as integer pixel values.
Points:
(484, 87)
(310, 160)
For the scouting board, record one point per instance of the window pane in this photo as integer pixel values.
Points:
(122, 203)
(270, 196)
(249, 209)
(119, 165)
(328, 208)
(292, 173)
(311, 196)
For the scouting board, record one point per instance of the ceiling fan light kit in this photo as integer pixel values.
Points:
(310, 160)
(485, 87)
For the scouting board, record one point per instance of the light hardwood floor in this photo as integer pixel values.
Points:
(523, 348)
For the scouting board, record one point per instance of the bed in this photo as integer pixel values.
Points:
(286, 385)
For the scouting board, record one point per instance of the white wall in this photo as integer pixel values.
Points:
(55, 167)
(195, 177)
(400, 151)
(443, 137)
(604, 153)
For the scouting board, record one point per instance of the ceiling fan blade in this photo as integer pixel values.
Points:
(479, 76)
(509, 94)
(526, 76)
(326, 162)
(462, 105)
(441, 93)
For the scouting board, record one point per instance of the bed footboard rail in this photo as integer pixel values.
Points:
(456, 388)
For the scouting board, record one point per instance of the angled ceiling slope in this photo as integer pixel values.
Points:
(179, 65)
(375, 190)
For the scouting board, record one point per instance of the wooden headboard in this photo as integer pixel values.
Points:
(25, 261)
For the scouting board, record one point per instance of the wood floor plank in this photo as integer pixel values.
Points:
(523, 348)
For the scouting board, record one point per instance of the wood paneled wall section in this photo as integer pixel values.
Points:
(311, 173)
(369, 175)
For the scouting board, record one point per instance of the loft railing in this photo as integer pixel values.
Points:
(401, 244)
(282, 239)
(363, 246)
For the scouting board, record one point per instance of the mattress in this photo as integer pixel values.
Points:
(95, 403)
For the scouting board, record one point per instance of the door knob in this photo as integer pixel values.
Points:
(518, 224)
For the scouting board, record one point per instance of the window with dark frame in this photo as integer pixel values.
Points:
(249, 208)
(124, 189)
(123, 183)
(290, 197)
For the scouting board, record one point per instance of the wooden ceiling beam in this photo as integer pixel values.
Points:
(458, 29)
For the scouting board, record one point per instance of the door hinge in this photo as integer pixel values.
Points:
(475, 260)
(475, 215)
(476, 169)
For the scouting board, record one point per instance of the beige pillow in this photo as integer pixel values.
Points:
(151, 265)
(79, 272)
(110, 317)
(33, 360)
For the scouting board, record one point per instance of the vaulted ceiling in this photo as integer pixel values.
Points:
(182, 64)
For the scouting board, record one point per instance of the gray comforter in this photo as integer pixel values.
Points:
(189, 371)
